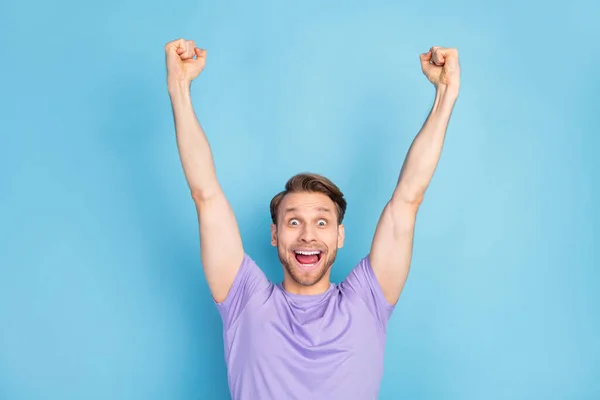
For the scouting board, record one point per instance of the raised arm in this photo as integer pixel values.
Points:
(220, 243)
(391, 250)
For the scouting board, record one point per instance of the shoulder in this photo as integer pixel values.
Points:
(361, 283)
(249, 283)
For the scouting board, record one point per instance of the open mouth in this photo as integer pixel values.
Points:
(308, 258)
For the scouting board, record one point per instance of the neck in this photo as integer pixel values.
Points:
(293, 287)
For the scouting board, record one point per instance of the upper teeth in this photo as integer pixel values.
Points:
(307, 253)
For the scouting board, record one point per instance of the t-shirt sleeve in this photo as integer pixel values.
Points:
(362, 282)
(249, 280)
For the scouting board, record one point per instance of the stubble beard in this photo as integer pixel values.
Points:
(309, 280)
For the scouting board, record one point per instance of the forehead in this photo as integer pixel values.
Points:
(306, 202)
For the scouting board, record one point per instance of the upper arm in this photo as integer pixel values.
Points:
(221, 246)
(391, 249)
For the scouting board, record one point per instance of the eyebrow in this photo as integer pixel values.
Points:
(319, 209)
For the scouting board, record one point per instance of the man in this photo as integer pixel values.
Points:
(306, 338)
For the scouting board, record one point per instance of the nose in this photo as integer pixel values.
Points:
(308, 234)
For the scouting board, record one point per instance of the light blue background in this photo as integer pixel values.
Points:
(101, 290)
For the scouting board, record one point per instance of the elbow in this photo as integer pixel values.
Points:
(204, 195)
(408, 197)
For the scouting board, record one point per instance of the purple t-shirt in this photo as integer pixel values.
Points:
(280, 345)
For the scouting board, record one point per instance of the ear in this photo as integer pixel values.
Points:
(341, 236)
(274, 235)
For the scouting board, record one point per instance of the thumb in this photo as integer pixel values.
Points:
(200, 54)
(425, 61)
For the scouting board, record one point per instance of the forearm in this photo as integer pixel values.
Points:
(194, 150)
(424, 153)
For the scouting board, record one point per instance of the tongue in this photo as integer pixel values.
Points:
(304, 259)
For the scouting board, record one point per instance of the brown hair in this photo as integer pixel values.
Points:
(312, 183)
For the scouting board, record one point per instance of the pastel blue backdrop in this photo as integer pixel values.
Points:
(101, 289)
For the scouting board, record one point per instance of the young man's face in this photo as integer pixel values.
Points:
(307, 237)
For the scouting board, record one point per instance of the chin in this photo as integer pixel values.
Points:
(308, 274)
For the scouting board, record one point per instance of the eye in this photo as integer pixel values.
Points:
(322, 222)
(294, 222)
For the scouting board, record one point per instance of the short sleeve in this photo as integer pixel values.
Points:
(362, 282)
(249, 280)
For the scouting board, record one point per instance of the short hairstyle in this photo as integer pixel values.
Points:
(311, 183)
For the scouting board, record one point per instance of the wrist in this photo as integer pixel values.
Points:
(447, 91)
(445, 97)
(178, 87)
(179, 93)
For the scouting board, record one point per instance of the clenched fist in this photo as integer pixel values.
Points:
(440, 65)
(185, 61)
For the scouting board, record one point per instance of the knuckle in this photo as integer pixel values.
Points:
(170, 44)
(173, 43)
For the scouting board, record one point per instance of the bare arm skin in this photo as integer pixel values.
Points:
(220, 242)
(391, 249)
